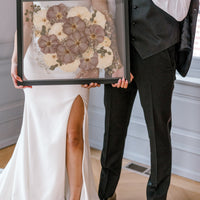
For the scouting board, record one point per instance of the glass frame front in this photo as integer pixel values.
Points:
(123, 15)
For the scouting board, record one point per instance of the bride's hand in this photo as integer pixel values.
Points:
(122, 83)
(88, 74)
(91, 85)
(16, 78)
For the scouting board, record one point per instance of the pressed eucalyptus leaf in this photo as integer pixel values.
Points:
(53, 67)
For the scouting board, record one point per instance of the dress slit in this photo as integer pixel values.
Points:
(67, 191)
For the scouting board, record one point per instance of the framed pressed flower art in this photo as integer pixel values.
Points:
(69, 42)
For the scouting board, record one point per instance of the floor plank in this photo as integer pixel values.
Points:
(132, 186)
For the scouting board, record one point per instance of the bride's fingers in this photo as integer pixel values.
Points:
(18, 86)
(27, 87)
(15, 83)
(91, 85)
(85, 85)
(114, 85)
(97, 85)
(18, 78)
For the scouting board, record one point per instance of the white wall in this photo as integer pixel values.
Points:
(185, 131)
(11, 100)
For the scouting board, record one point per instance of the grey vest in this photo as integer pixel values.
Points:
(152, 29)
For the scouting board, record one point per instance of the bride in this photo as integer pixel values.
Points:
(51, 160)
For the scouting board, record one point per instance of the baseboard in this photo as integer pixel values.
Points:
(186, 173)
(144, 160)
(185, 146)
(9, 141)
(10, 122)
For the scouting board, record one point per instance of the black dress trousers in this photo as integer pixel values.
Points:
(154, 80)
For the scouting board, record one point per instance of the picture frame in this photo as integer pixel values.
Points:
(39, 67)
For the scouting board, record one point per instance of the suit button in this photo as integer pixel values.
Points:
(135, 7)
(133, 39)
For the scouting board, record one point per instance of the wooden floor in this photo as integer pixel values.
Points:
(132, 186)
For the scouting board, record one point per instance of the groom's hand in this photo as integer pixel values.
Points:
(123, 83)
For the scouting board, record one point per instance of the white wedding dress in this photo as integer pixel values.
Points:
(37, 169)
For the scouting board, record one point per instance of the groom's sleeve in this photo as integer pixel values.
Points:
(178, 9)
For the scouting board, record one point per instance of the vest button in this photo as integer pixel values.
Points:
(134, 23)
(133, 39)
(195, 10)
(135, 7)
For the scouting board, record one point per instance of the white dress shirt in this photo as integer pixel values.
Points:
(176, 8)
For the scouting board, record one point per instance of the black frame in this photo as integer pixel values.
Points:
(68, 81)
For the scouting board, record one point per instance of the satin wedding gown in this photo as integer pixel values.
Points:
(37, 169)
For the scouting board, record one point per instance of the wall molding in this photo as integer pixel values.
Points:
(194, 69)
(11, 101)
(176, 134)
(137, 123)
(4, 63)
(10, 122)
(6, 49)
(9, 141)
(11, 111)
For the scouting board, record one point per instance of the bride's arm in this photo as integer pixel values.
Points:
(100, 5)
(27, 25)
(27, 28)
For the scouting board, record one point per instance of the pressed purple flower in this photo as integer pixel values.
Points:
(73, 24)
(65, 55)
(48, 44)
(92, 73)
(89, 63)
(57, 13)
(77, 43)
(95, 33)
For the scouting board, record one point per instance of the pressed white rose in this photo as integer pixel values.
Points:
(100, 19)
(89, 53)
(50, 59)
(71, 67)
(57, 29)
(40, 19)
(106, 43)
(106, 60)
(81, 12)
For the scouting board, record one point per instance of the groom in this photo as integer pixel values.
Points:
(159, 45)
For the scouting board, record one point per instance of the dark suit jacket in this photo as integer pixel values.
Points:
(186, 44)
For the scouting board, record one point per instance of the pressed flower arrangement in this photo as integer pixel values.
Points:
(74, 40)
(72, 44)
